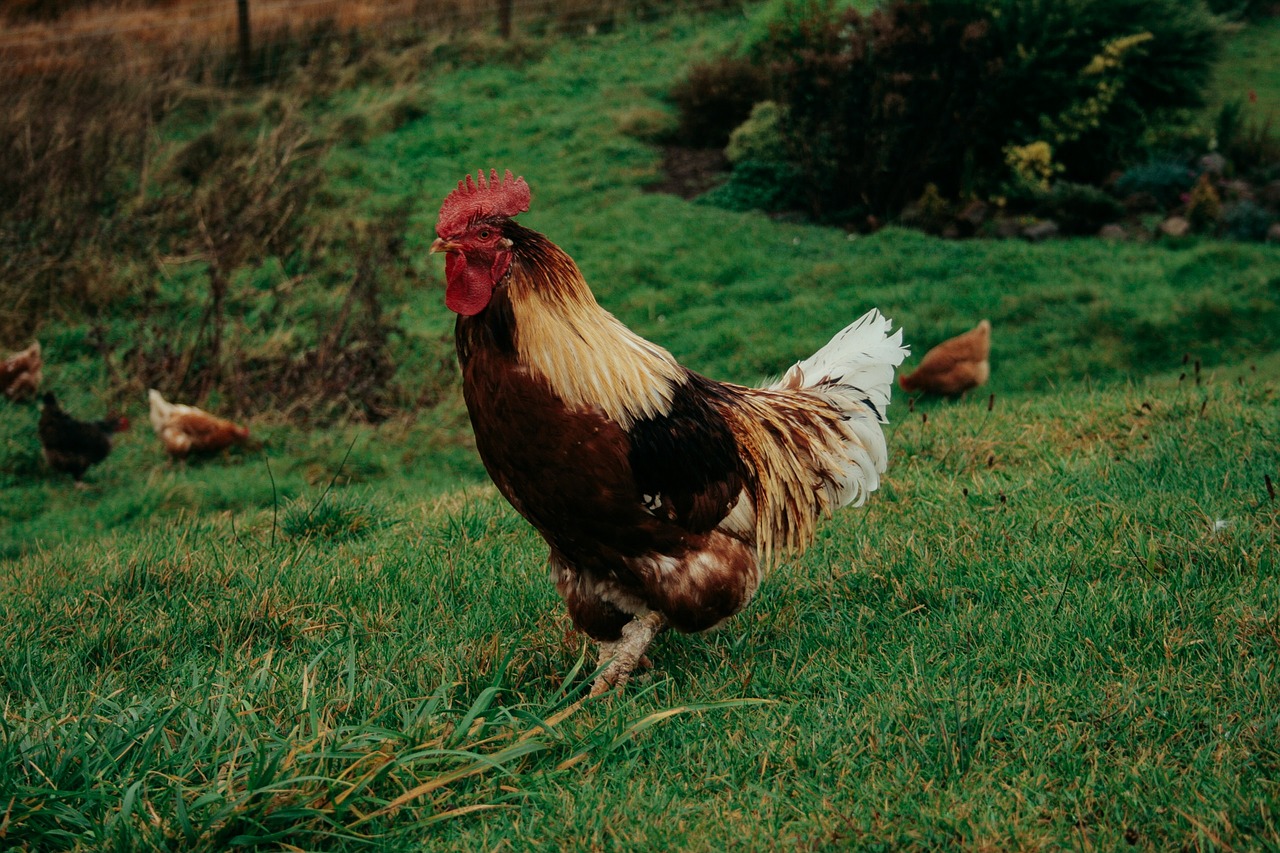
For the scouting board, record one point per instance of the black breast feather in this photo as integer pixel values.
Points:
(686, 463)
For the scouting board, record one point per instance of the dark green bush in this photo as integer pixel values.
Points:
(1080, 209)
(1246, 220)
(1084, 76)
(714, 99)
(1164, 180)
(758, 185)
(879, 106)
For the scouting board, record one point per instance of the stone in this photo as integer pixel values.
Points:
(1040, 230)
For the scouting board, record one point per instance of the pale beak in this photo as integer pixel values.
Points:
(442, 245)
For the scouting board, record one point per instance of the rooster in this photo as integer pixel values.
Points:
(184, 430)
(662, 494)
(20, 373)
(72, 446)
(953, 366)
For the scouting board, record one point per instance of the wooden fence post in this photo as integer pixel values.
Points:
(504, 18)
(242, 14)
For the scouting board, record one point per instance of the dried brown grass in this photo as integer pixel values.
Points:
(156, 34)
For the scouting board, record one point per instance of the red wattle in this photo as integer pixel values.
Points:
(469, 286)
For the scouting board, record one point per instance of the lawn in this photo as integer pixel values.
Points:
(1055, 626)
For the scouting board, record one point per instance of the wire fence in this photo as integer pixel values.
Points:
(165, 36)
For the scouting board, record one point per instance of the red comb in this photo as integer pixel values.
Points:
(492, 197)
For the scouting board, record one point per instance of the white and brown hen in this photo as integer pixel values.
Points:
(185, 430)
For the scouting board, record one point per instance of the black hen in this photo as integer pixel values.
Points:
(71, 446)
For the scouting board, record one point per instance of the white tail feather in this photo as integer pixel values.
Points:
(162, 411)
(861, 356)
(854, 372)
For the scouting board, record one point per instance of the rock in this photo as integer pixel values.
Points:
(1175, 226)
(1007, 228)
(1113, 231)
(974, 213)
(1237, 190)
(1040, 230)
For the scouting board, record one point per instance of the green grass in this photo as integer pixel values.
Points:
(1249, 66)
(1054, 626)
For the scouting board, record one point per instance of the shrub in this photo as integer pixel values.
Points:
(1080, 209)
(756, 185)
(1164, 180)
(1204, 206)
(930, 212)
(759, 138)
(1094, 77)
(1246, 220)
(876, 107)
(715, 98)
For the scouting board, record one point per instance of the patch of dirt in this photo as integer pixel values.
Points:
(689, 172)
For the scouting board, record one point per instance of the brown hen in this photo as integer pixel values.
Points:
(21, 372)
(953, 366)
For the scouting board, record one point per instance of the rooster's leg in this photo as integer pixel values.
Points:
(626, 654)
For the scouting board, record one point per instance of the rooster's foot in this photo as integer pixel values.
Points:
(627, 654)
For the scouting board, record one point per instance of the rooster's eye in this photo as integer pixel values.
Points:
(485, 234)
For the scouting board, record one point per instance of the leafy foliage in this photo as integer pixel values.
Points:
(1242, 9)
(714, 99)
(878, 106)
(758, 185)
(1247, 220)
(1079, 209)
(1163, 180)
(759, 138)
